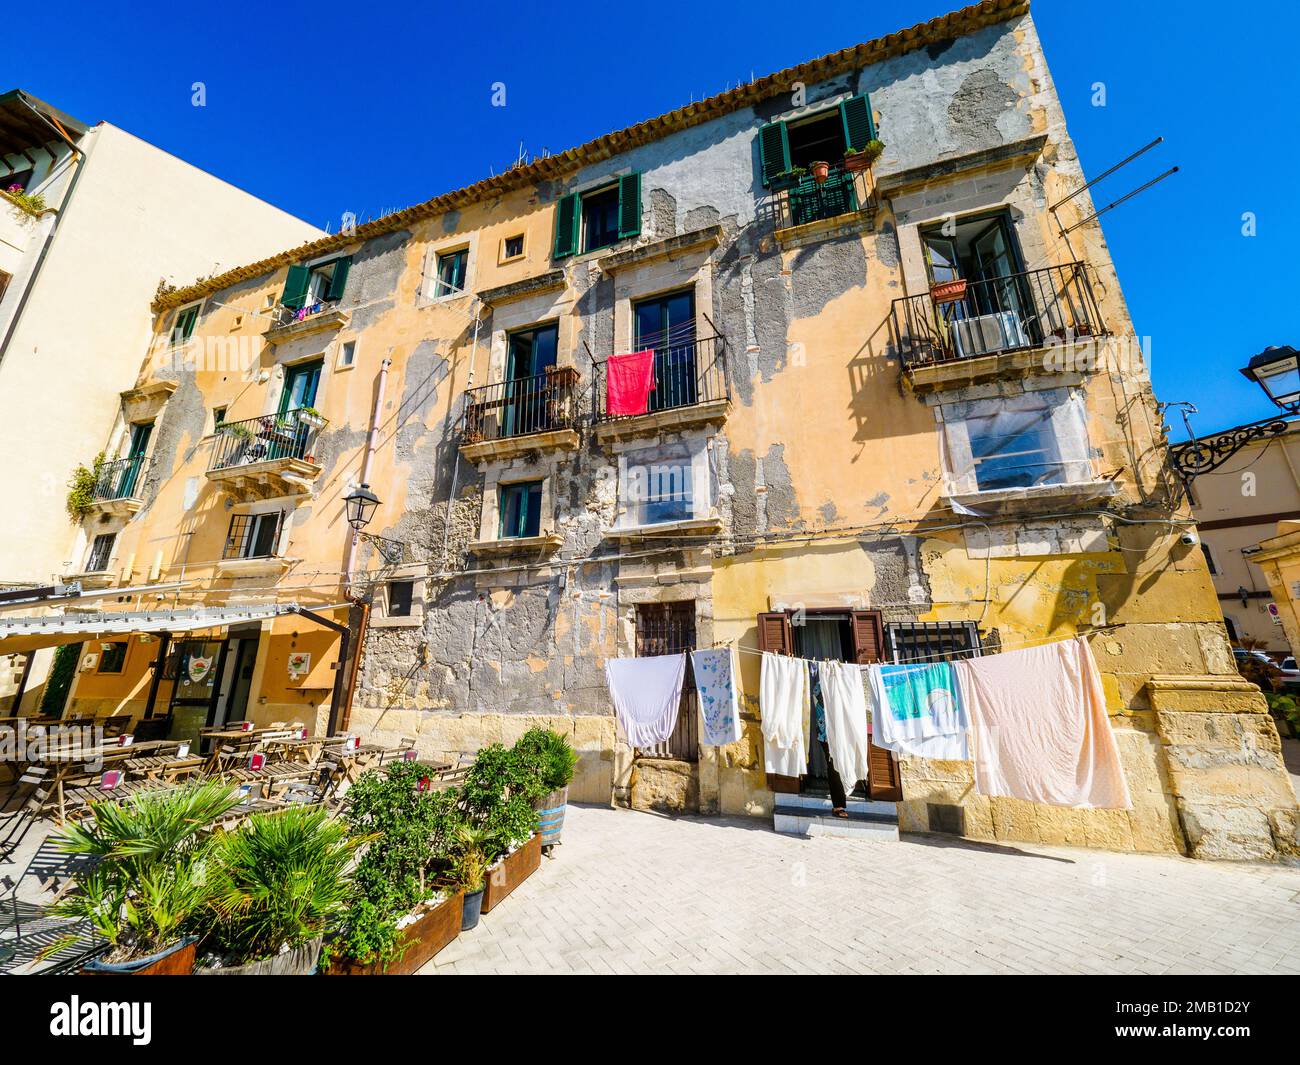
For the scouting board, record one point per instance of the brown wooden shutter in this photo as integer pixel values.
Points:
(883, 782)
(868, 636)
(774, 635)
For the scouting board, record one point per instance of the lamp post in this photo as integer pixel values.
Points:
(360, 506)
(1276, 370)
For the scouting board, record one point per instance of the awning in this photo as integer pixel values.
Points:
(29, 632)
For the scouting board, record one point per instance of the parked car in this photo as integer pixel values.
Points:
(1259, 669)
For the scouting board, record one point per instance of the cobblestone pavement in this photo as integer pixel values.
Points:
(634, 892)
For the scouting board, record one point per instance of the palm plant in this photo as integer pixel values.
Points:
(473, 846)
(151, 874)
(277, 883)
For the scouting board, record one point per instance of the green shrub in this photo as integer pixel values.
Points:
(81, 488)
(410, 834)
(278, 881)
(548, 755)
(499, 792)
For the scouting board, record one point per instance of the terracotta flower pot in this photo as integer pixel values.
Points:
(949, 291)
(821, 170)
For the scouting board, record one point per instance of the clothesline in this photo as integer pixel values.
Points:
(944, 655)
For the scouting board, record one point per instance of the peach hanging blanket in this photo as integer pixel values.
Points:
(1039, 729)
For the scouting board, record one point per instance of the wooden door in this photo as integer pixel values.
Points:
(775, 635)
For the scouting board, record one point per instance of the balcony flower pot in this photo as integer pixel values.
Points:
(821, 170)
(431, 930)
(550, 816)
(311, 418)
(948, 291)
(176, 960)
(511, 871)
(300, 961)
(864, 158)
(473, 909)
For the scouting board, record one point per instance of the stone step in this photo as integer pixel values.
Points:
(795, 820)
(815, 803)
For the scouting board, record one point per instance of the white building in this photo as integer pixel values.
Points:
(91, 219)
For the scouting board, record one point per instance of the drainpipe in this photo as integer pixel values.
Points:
(372, 439)
(455, 470)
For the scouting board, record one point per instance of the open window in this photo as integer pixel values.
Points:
(314, 284)
(101, 553)
(183, 324)
(453, 267)
(520, 510)
(598, 218)
(252, 536)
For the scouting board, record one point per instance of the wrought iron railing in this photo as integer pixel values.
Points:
(966, 319)
(118, 479)
(283, 316)
(686, 373)
(521, 406)
(798, 201)
(291, 435)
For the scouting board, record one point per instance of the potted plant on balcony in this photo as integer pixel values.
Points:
(551, 760)
(788, 179)
(857, 159)
(402, 908)
(948, 291)
(311, 417)
(821, 170)
(278, 883)
(150, 878)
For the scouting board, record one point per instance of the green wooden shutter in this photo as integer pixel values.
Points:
(859, 126)
(295, 287)
(629, 205)
(567, 219)
(773, 150)
(189, 319)
(340, 279)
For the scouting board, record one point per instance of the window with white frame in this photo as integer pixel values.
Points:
(1016, 442)
(658, 485)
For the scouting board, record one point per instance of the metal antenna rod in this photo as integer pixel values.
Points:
(1129, 196)
(1105, 173)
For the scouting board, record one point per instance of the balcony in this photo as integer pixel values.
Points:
(690, 390)
(117, 486)
(965, 331)
(802, 207)
(291, 323)
(506, 419)
(273, 455)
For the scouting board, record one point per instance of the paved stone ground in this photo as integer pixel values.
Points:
(634, 892)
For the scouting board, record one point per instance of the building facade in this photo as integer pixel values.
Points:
(97, 221)
(1237, 506)
(898, 412)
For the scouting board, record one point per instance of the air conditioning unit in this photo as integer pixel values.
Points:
(987, 334)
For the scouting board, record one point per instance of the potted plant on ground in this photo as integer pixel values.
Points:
(401, 910)
(498, 795)
(151, 877)
(856, 159)
(277, 884)
(471, 847)
(550, 758)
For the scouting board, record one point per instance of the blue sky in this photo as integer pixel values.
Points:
(329, 107)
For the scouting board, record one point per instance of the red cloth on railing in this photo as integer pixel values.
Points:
(628, 381)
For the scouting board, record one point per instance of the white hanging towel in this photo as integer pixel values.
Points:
(718, 680)
(917, 710)
(647, 693)
(783, 704)
(1039, 729)
(846, 719)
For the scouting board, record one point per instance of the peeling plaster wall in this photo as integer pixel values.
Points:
(827, 474)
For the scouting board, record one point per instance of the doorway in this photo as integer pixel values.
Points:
(212, 684)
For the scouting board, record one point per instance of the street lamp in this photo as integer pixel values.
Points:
(360, 506)
(1277, 371)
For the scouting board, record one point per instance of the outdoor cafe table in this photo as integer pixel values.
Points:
(71, 765)
(356, 761)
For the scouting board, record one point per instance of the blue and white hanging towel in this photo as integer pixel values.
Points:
(717, 680)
